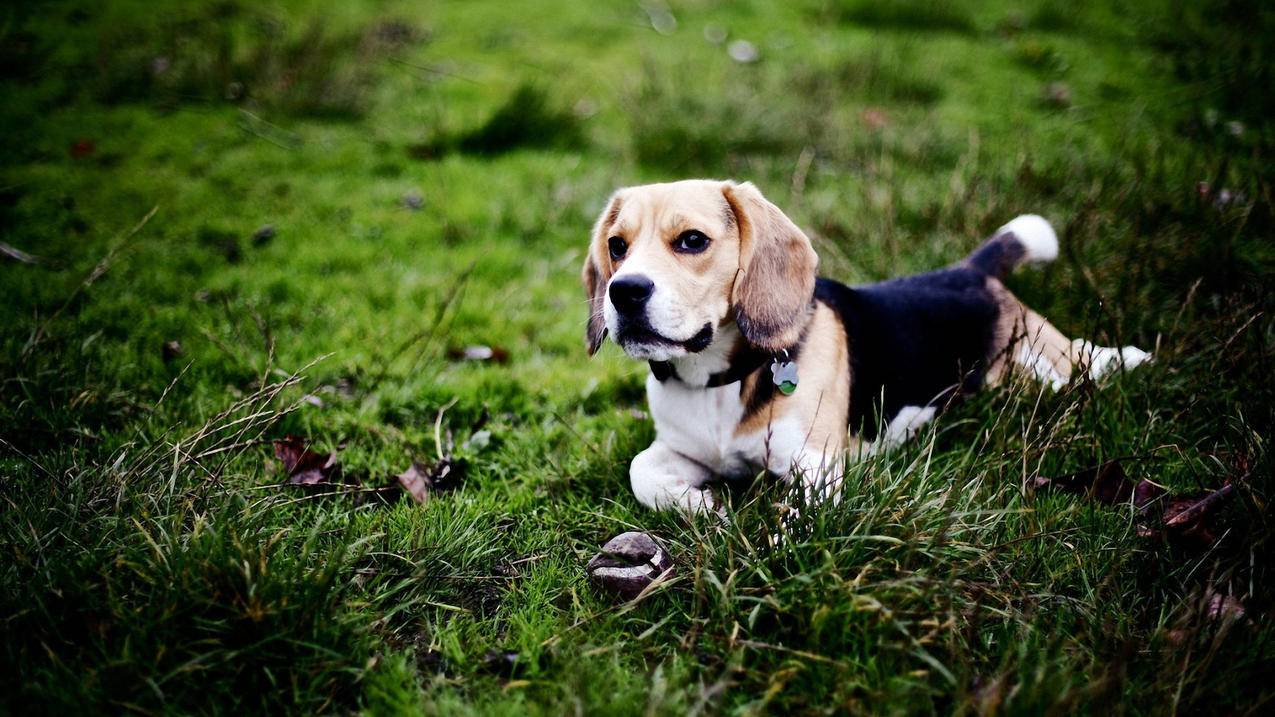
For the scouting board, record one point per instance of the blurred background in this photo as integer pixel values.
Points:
(199, 198)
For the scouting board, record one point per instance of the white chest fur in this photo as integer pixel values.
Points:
(699, 423)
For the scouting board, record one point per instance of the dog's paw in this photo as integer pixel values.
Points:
(1102, 361)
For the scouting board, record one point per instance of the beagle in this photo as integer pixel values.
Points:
(757, 365)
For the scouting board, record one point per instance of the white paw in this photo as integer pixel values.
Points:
(1102, 361)
(1133, 356)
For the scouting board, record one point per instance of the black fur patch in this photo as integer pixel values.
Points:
(913, 341)
(999, 255)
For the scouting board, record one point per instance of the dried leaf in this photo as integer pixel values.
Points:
(1188, 519)
(420, 479)
(304, 466)
(415, 480)
(1106, 483)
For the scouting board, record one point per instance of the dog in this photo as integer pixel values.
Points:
(757, 365)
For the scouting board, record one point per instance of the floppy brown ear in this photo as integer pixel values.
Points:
(776, 279)
(596, 274)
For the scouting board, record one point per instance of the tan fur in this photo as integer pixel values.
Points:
(597, 272)
(777, 264)
(649, 218)
(823, 396)
(1019, 328)
(759, 269)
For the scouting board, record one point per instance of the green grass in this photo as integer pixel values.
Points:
(430, 171)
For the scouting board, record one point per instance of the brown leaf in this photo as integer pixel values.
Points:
(1186, 512)
(420, 478)
(478, 352)
(304, 466)
(1189, 519)
(415, 480)
(1106, 483)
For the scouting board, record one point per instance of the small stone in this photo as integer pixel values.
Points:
(502, 663)
(743, 51)
(1058, 94)
(662, 21)
(413, 200)
(263, 235)
(628, 563)
(715, 34)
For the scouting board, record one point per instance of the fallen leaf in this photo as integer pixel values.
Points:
(478, 441)
(304, 466)
(1106, 483)
(420, 478)
(1188, 518)
(415, 480)
(478, 352)
(1182, 513)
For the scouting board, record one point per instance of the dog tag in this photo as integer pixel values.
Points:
(784, 374)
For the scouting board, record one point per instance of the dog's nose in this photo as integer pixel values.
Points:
(630, 293)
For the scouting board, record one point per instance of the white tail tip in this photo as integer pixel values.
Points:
(1037, 236)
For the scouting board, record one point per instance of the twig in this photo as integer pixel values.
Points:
(1204, 506)
(17, 254)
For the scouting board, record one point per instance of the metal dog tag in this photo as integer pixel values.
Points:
(784, 374)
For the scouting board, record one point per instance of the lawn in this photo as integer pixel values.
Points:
(363, 223)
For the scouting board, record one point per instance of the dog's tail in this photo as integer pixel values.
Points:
(1028, 238)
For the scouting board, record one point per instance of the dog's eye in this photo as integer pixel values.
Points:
(617, 247)
(690, 242)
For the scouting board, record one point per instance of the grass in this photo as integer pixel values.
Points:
(430, 172)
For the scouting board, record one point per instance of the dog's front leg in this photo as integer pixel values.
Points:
(662, 479)
(820, 475)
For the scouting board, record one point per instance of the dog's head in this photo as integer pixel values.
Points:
(670, 264)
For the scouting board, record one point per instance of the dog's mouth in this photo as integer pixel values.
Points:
(635, 335)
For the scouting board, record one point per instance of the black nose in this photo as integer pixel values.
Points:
(629, 293)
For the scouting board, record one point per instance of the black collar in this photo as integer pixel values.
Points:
(741, 367)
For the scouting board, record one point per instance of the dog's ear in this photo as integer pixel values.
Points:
(597, 273)
(776, 279)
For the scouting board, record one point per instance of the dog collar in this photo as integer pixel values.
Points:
(783, 371)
